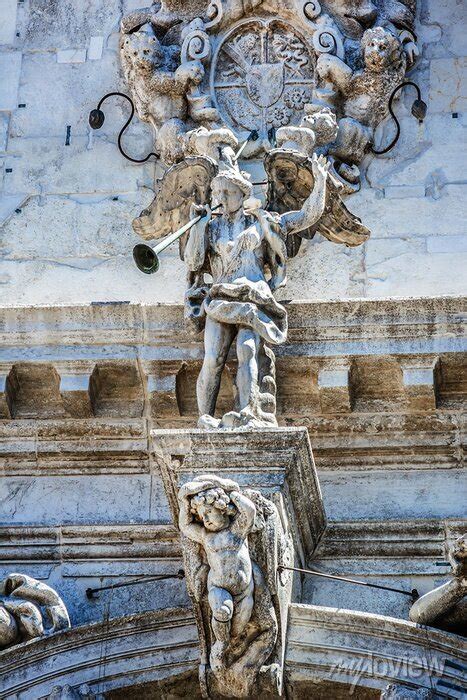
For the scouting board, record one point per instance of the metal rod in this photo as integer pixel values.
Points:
(413, 594)
(147, 579)
(252, 136)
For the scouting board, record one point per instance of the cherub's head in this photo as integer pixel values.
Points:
(380, 49)
(322, 121)
(230, 189)
(142, 49)
(213, 508)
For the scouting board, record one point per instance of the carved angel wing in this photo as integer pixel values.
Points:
(182, 184)
(290, 181)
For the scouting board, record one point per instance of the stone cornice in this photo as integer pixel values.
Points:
(318, 328)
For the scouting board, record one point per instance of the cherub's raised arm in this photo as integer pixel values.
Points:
(313, 207)
(187, 526)
(245, 518)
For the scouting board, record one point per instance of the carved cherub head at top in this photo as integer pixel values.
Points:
(142, 50)
(381, 49)
(213, 508)
(230, 188)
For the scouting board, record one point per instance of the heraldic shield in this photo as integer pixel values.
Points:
(265, 83)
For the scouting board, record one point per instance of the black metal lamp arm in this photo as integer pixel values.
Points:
(97, 117)
(418, 110)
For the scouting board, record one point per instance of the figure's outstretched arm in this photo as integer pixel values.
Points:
(313, 207)
(245, 518)
(197, 244)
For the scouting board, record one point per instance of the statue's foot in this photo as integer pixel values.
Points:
(207, 422)
(244, 419)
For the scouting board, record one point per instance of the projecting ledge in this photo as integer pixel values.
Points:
(276, 461)
(348, 648)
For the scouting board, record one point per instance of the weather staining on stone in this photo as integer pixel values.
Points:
(228, 585)
(445, 607)
(29, 609)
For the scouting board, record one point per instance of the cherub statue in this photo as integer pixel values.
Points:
(363, 94)
(445, 607)
(161, 88)
(21, 618)
(243, 248)
(216, 516)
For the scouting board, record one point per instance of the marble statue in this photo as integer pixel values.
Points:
(24, 607)
(232, 590)
(244, 250)
(362, 96)
(445, 607)
(161, 87)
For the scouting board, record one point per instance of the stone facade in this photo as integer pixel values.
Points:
(307, 539)
(71, 238)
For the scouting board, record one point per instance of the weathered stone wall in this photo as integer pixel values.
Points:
(68, 196)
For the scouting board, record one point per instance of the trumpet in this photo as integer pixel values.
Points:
(147, 257)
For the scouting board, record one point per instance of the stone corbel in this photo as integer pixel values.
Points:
(266, 483)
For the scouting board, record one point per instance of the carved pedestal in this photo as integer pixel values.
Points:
(247, 502)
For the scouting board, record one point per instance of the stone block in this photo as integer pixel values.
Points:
(33, 391)
(96, 46)
(449, 16)
(8, 23)
(451, 382)
(442, 216)
(419, 387)
(8, 204)
(74, 389)
(297, 387)
(68, 24)
(66, 229)
(416, 274)
(4, 130)
(116, 390)
(333, 385)
(448, 85)
(10, 70)
(404, 191)
(376, 384)
(447, 244)
(77, 89)
(4, 407)
(71, 56)
(46, 165)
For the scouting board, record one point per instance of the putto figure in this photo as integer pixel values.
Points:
(217, 518)
(244, 250)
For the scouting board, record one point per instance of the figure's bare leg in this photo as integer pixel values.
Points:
(248, 343)
(243, 607)
(222, 607)
(218, 338)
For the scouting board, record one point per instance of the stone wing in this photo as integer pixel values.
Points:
(290, 181)
(182, 184)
